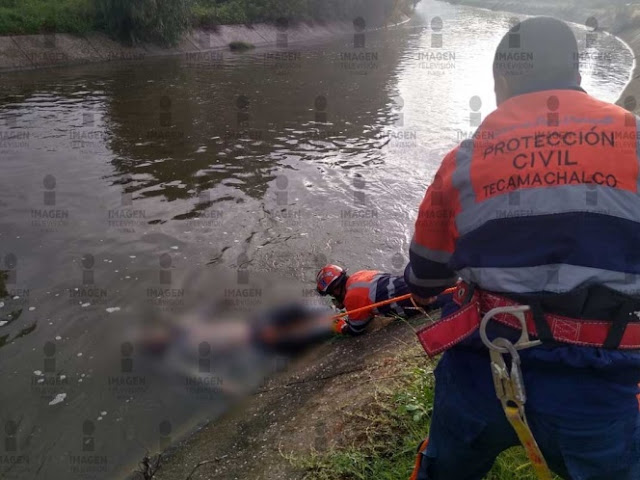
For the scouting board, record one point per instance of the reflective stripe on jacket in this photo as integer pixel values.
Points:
(543, 198)
(367, 287)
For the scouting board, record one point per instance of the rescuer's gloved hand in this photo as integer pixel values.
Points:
(339, 326)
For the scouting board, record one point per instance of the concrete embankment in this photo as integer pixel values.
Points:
(40, 51)
(624, 23)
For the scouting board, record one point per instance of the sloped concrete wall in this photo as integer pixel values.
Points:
(41, 51)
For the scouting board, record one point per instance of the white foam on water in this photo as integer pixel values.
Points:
(59, 399)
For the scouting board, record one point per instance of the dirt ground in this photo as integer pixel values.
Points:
(298, 411)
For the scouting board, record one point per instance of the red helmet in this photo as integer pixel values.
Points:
(329, 275)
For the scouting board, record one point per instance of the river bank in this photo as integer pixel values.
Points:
(309, 409)
(624, 23)
(24, 52)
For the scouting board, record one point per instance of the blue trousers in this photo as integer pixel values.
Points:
(469, 430)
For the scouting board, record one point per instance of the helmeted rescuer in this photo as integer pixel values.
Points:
(540, 208)
(362, 289)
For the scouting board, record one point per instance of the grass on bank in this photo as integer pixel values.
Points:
(164, 21)
(21, 17)
(385, 436)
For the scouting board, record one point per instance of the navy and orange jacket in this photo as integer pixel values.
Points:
(367, 287)
(537, 201)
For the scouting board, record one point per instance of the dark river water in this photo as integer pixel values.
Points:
(119, 181)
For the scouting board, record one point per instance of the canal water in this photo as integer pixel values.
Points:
(137, 186)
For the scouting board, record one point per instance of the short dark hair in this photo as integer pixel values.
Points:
(538, 53)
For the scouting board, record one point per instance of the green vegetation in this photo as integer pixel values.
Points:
(46, 16)
(218, 12)
(240, 46)
(159, 21)
(385, 436)
(163, 21)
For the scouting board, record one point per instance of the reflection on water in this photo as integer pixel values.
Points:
(121, 180)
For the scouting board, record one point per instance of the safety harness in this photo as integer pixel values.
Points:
(621, 333)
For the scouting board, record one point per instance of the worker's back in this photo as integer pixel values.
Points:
(367, 287)
(539, 213)
(548, 197)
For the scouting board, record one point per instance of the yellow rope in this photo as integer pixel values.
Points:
(529, 443)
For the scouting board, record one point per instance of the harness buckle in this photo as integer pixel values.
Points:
(523, 342)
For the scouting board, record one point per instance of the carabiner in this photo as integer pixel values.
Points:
(523, 342)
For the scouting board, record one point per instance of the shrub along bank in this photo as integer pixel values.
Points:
(164, 21)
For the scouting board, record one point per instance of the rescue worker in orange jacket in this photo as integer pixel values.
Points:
(540, 208)
(361, 289)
